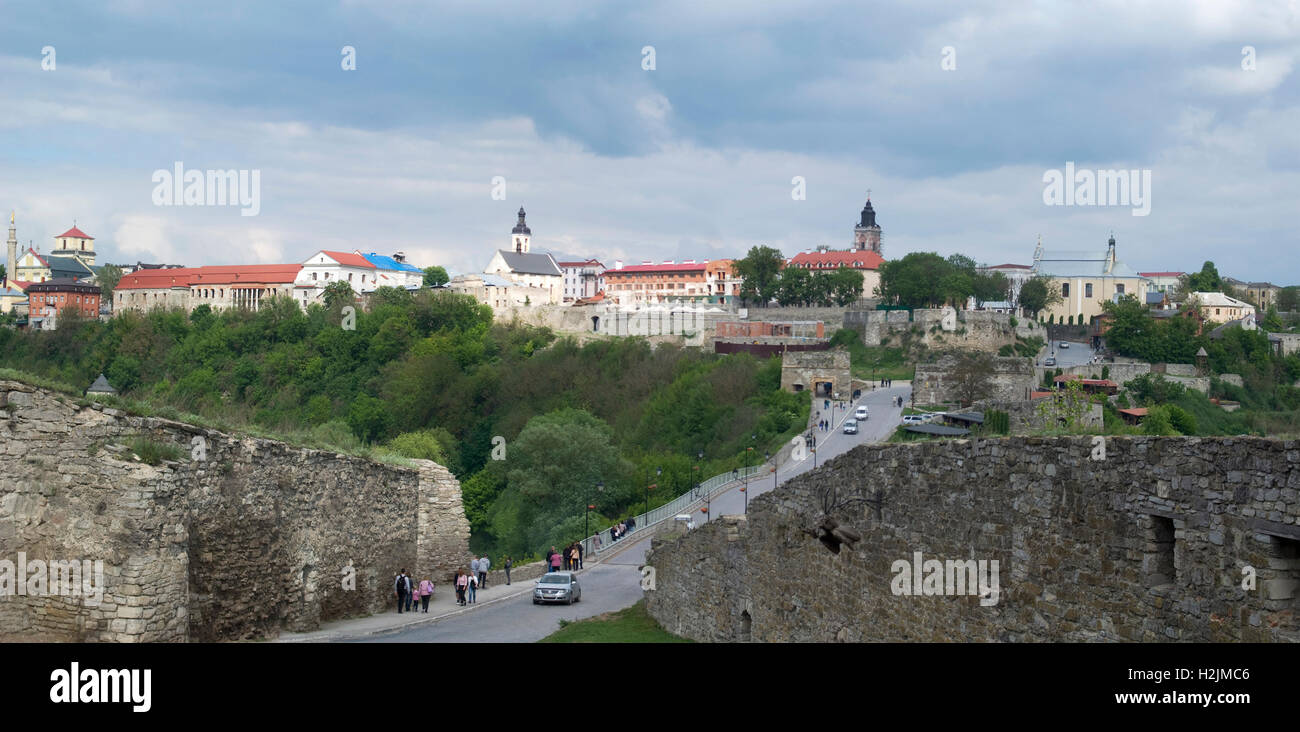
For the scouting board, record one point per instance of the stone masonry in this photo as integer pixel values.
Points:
(1164, 539)
(255, 537)
(1012, 379)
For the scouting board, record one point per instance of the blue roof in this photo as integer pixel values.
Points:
(382, 262)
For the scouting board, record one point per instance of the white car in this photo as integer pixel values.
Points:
(1064, 344)
(850, 426)
(862, 413)
(913, 418)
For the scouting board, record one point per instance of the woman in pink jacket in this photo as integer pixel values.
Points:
(426, 592)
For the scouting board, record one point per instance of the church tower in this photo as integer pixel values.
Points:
(866, 235)
(520, 235)
(11, 263)
(75, 243)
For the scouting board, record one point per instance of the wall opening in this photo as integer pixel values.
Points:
(1283, 589)
(1158, 557)
(746, 627)
(595, 323)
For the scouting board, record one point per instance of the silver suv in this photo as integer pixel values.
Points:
(557, 587)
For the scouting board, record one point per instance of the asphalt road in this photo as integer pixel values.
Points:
(1077, 354)
(616, 582)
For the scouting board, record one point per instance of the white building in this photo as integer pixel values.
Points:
(582, 279)
(325, 267)
(538, 272)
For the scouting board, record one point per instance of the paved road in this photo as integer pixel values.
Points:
(1077, 354)
(616, 582)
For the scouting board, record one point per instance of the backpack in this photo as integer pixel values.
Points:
(400, 585)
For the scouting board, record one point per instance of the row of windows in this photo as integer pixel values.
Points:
(63, 298)
(1087, 289)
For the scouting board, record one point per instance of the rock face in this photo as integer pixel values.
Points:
(1163, 538)
(238, 540)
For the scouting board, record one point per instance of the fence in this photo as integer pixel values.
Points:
(604, 541)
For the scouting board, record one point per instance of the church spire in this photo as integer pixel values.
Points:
(521, 235)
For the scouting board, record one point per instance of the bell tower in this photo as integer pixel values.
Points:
(520, 235)
(11, 263)
(866, 235)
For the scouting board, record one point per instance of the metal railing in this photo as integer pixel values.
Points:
(604, 540)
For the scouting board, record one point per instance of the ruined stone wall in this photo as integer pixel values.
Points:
(1024, 415)
(980, 330)
(244, 539)
(1012, 379)
(1148, 544)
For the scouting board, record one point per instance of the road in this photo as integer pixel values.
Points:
(1077, 354)
(615, 583)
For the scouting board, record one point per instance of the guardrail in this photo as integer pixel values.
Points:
(603, 541)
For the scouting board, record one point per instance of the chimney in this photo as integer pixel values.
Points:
(618, 264)
(399, 256)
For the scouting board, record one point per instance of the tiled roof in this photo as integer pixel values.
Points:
(1011, 266)
(859, 259)
(75, 232)
(247, 274)
(665, 267)
(529, 263)
(351, 260)
(1219, 300)
(587, 263)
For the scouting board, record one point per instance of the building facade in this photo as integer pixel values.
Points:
(655, 283)
(823, 259)
(1216, 307)
(47, 300)
(582, 279)
(219, 287)
(1166, 282)
(1086, 280)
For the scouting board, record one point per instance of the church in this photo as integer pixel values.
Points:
(864, 256)
(537, 276)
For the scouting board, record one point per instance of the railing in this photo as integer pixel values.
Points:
(604, 541)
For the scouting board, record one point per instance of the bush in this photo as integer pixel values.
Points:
(997, 422)
(1182, 420)
(1007, 350)
(1013, 321)
(1105, 372)
(154, 453)
(1157, 422)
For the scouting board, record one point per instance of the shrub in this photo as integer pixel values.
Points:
(152, 452)
(1182, 420)
(1014, 322)
(1007, 350)
(1105, 372)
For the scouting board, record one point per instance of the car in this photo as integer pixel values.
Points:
(850, 426)
(557, 587)
(1050, 362)
(913, 418)
(862, 413)
(1064, 344)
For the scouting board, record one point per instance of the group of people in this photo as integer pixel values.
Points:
(570, 559)
(411, 595)
(619, 530)
(886, 383)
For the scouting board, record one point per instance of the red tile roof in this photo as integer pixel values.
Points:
(75, 232)
(692, 267)
(1135, 412)
(1012, 266)
(352, 260)
(249, 274)
(580, 264)
(863, 259)
(36, 254)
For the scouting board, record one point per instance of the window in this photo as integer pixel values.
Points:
(1087, 289)
(1065, 289)
(1119, 288)
(1216, 311)
(1158, 564)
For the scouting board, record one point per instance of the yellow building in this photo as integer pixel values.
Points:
(1217, 307)
(1086, 281)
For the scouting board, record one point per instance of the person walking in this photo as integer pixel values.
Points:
(483, 565)
(508, 563)
(474, 567)
(578, 548)
(471, 590)
(549, 555)
(461, 584)
(426, 593)
(555, 560)
(402, 588)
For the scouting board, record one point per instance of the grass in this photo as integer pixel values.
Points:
(7, 374)
(154, 453)
(631, 625)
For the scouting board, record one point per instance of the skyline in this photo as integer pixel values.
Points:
(691, 160)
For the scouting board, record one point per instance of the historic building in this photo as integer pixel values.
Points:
(1086, 280)
(219, 287)
(538, 272)
(654, 283)
(866, 234)
(582, 279)
(1216, 307)
(47, 300)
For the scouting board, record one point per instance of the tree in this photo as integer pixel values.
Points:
(108, 277)
(337, 294)
(1038, 294)
(991, 286)
(794, 286)
(1066, 408)
(1207, 280)
(759, 270)
(1288, 299)
(916, 280)
(435, 277)
(973, 377)
(3, 275)
(845, 286)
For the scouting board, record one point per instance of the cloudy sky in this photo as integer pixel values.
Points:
(693, 159)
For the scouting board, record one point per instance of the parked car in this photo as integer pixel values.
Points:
(913, 418)
(1050, 362)
(850, 426)
(557, 587)
(862, 413)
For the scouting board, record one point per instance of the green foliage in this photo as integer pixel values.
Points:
(1157, 422)
(337, 294)
(1154, 389)
(997, 422)
(1007, 350)
(1181, 420)
(630, 625)
(108, 276)
(760, 268)
(153, 452)
(435, 277)
(1207, 280)
(924, 279)
(1066, 408)
(1105, 372)
(1037, 294)
(1288, 299)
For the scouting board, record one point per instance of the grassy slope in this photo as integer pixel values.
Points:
(631, 625)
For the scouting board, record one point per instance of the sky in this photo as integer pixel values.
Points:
(951, 114)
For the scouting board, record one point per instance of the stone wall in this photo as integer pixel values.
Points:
(803, 370)
(1024, 416)
(244, 539)
(1012, 379)
(1147, 544)
(981, 330)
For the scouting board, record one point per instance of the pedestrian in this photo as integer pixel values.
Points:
(508, 564)
(474, 567)
(579, 547)
(461, 584)
(426, 593)
(555, 560)
(483, 565)
(471, 590)
(402, 588)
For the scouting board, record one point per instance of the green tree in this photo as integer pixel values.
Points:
(1207, 280)
(760, 270)
(972, 377)
(794, 286)
(108, 277)
(435, 277)
(916, 280)
(845, 286)
(1288, 299)
(1038, 294)
(337, 294)
(368, 418)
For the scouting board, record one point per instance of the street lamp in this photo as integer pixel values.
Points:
(600, 488)
(658, 472)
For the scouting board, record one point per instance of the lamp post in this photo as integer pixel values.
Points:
(600, 488)
(658, 472)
